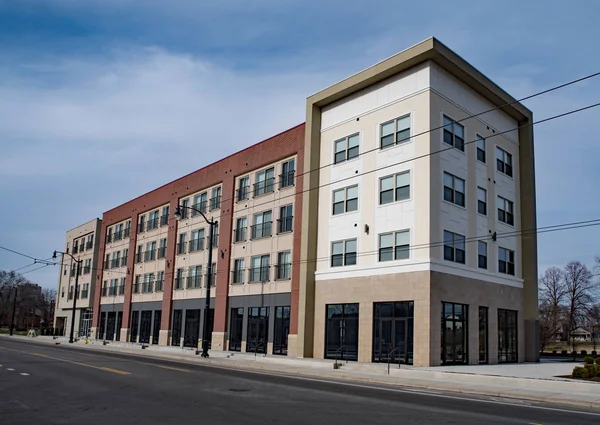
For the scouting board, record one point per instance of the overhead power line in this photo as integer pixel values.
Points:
(487, 111)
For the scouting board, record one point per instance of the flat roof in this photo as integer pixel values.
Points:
(428, 50)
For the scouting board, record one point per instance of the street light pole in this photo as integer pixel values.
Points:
(211, 224)
(77, 270)
(12, 320)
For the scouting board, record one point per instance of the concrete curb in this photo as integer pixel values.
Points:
(578, 394)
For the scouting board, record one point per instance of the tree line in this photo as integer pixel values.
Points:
(33, 305)
(569, 299)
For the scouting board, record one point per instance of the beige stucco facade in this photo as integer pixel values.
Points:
(421, 86)
(86, 239)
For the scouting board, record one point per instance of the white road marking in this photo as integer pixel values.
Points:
(24, 374)
(9, 369)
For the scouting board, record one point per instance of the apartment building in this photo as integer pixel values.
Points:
(387, 227)
(417, 220)
(152, 288)
(82, 242)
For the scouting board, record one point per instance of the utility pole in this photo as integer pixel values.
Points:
(12, 320)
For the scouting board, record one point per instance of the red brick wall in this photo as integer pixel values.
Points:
(225, 171)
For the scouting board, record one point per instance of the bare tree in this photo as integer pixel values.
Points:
(580, 295)
(46, 305)
(553, 293)
(8, 282)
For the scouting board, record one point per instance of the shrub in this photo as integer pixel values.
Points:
(594, 353)
(591, 369)
(598, 361)
(564, 352)
(580, 372)
(553, 351)
(583, 352)
(588, 360)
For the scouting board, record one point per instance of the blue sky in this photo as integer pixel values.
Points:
(95, 94)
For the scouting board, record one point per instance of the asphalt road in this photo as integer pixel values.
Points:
(44, 384)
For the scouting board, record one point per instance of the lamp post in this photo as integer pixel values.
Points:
(77, 270)
(211, 224)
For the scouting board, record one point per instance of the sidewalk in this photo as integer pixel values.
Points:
(529, 381)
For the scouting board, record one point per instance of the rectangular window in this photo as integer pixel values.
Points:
(454, 133)
(506, 261)
(281, 330)
(394, 246)
(341, 331)
(181, 248)
(345, 200)
(260, 268)
(194, 279)
(454, 189)
(87, 267)
(89, 244)
(162, 248)
(185, 204)
(197, 240)
(482, 255)
(238, 271)
(288, 171)
(125, 257)
(454, 247)
(262, 225)
(284, 265)
(481, 201)
(480, 149)
(214, 238)
(394, 188)
(200, 203)
(343, 253)
(127, 230)
(215, 200)
(118, 232)
(506, 211)
(346, 148)
(150, 254)
(142, 224)
(160, 280)
(85, 291)
(483, 335)
(136, 284)
(395, 132)
(243, 188)
(179, 279)
(153, 220)
(455, 332)
(504, 162)
(264, 181)
(240, 229)
(285, 221)
(164, 218)
(507, 336)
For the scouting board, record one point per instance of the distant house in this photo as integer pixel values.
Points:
(581, 334)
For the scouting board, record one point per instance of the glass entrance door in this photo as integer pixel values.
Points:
(192, 328)
(110, 325)
(235, 329)
(258, 330)
(145, 326)
(156, 326)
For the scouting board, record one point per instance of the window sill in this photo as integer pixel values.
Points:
(344, 213)
(240, 241)
(504, 175)
(282, 279)
(346, 161)
(447, 145)
(395, 145)
(482, 215)
(455, 262)
(236, 283)
(287, 187)
(263, 194)
(402, 201)
(506, 224)
(259, 282)
(454, 205)
(394, 260)
(261, 237)
(285, 232)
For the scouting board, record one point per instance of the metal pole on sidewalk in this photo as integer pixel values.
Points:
(12, 320)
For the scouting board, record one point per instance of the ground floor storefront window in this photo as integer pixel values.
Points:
(282, 330)
(258, 330)
(236, 325)
(393, 327)
(507, 336)
(176, 333)
(454, 333)
(85, 325)
(156, 326)
(483, 335)
(341, 331)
